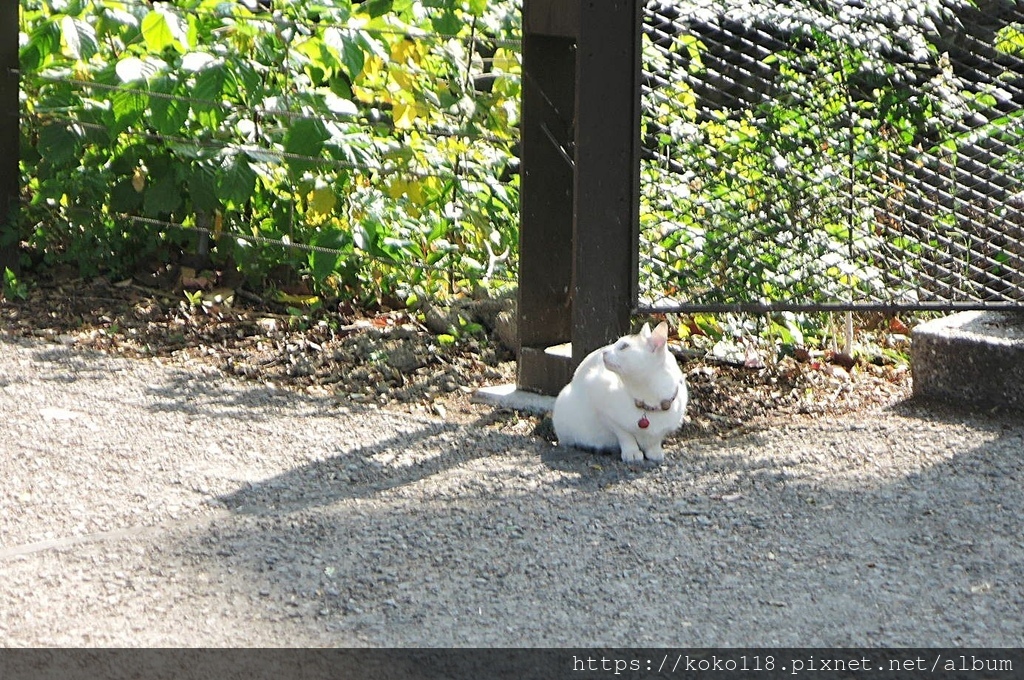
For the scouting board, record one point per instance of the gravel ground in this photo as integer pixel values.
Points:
(157, 503)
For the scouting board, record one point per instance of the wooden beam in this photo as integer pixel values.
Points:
(606, 201)
(10, 175)
(580, 182)
(557, 18)
(545, 235)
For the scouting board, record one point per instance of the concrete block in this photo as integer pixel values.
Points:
(971, 358)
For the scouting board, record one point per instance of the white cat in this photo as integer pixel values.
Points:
(628, 396)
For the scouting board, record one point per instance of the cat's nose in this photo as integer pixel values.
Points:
(609, 363)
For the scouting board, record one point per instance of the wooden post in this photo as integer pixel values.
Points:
(9, 136)
(607, 197)
(580, 183)
(546, 196)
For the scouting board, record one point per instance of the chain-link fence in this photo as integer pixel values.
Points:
(833, 154)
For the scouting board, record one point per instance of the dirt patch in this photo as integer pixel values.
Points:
(402, 359)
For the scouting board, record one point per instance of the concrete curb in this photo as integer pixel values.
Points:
(974, 358)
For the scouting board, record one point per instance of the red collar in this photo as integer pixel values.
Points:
(664, 405)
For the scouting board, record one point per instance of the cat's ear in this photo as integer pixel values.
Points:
(645, 332)
(659, 338)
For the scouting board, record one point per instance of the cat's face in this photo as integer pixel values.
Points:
(637, 356)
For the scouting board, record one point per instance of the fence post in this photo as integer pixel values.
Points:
(9, 136)
(607, 197)
(580, 183)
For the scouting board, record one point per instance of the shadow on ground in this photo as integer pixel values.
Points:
(894, 531)
(338, 525)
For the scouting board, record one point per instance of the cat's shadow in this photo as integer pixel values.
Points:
(359, 472)
(430, 450)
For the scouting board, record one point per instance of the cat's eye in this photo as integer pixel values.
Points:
(622, 345)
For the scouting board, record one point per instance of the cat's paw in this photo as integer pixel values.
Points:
(633, 455)
(655, 454)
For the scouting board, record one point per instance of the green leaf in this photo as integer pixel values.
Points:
(209, 87)
(376, 8)
(74, 7)
(197, 61)
(366, 236)
(112, 18)
(44, 42)
(348, 49)
(127, 105)
(447, 24)
(162, 29)
(167, 114)
(315, 49)
(79, 38)
(13, 287)
(125, 161)
(354, 58)
(237, 181)
(1010, 39)
(57, 143)
(156, 32)
(124, 198)
(306, 139)
(249, 81)
(341, 87)
(131, 69)
(162, 196)
(322, 264)
(202, 189)
(405, 8)
(208, 95)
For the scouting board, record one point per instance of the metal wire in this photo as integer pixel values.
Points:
(776, 176)
(432, 131)
(281, 21)
(253, 150)
(254, 239)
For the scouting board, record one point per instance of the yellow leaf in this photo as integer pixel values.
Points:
(403, 79)
(411, 190)
(139, 180)
(289, 299)
(505, 61)
(407, 113)
(321, 200)
(404, 51)
(310, 48)
(372, 68)
(397, 188)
